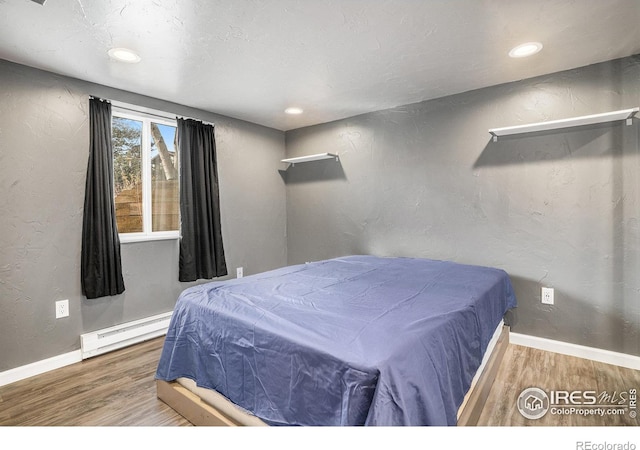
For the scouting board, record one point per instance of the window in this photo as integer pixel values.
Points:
(145, 172)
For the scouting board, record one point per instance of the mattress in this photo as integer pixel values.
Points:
(240, 416)
(359, 340)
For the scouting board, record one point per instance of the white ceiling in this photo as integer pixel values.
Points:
(250, 59)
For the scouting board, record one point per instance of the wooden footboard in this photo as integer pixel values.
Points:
(199, 412)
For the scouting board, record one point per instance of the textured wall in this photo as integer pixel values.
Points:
(44, 135)
(557, 209)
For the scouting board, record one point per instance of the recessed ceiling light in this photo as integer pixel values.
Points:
(527, 49)
(293, 110)
(124, 55)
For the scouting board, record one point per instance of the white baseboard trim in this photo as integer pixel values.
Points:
(95, 343)
(39, 367)
(580, 351)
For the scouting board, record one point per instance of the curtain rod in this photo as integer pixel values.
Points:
(149, 111)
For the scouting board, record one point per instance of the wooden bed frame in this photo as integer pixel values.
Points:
(190, 406)
(474, 401)
(193, 408)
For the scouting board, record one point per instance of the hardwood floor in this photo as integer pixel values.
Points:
(118, 389)
(524, 367)
(115, 389)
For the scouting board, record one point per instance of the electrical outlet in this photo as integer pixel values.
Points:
(62, 309)
(547, 296)
(239, 272)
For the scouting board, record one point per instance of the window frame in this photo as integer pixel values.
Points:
(146, 117)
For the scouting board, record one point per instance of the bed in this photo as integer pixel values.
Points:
(357, 340)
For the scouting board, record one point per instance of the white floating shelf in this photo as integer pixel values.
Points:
(624, 114)
(317, 157)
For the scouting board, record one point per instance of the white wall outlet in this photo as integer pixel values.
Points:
(239, 272)
(62, 309)
(547, 296)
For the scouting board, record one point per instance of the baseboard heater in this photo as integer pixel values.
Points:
(123, 335)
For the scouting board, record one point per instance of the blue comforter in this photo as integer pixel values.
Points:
(359, 340)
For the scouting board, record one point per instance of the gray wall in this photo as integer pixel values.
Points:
(44, 139)
(558, 209)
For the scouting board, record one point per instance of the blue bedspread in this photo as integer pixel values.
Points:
(359, 340)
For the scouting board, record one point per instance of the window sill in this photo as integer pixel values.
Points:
(126, 238)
